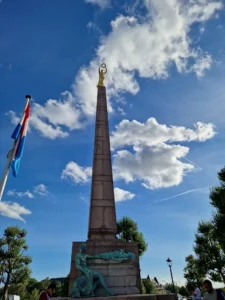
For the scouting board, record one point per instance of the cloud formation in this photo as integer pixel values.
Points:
(20, 194)
(152, 133)
(122, 195)
(155, 160)
(101, 3)
(13, 210)
(145, 46)
(76, 173)
(41, 189)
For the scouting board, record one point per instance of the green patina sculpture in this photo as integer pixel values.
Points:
(86, 284)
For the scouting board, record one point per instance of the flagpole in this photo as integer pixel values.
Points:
(10, 156)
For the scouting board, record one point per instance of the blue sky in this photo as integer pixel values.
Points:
(165, 86)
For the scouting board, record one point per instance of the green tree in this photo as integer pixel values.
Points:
(211, 257)
(149, 286)
(127, 230)
(183, 291)
(193, 273)
(14, 263)
(143, 290)
(65, 286)
(169, 287)
(32, 284)
(217, 196)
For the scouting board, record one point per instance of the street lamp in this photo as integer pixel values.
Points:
(169, 263)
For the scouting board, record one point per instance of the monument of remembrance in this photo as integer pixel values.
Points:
(104, 266)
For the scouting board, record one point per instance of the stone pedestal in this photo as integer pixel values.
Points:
(122, 278)
(131, 297)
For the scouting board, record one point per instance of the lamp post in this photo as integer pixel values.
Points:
(169, 263)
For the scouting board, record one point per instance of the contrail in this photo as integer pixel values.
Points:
(181, 194)
(192, 163)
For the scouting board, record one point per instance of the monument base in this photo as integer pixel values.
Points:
(122, 278)
(131, 297)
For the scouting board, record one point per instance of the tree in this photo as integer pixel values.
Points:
(143, 290)
(169, 287)
(14, 263)
(211, 257)
(149, 286)
(65, 286)
(193, 273)
(217, 196)
(127, 230)
(184, 291)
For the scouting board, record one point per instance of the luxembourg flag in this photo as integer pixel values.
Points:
(19, 135)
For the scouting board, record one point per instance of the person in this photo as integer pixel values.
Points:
(197, 293)
(211, 293)
(45, 295)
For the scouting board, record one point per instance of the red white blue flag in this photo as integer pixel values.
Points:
(19, 135)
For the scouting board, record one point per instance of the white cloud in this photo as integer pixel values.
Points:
(76, 173)
(156, 167)
(55, 118)
(20, 194)
(93, 26)
(13, 210)
(13, 117)
(155, 161)
(146, 46)
(152, 133)
(122, 195)
(101, 3)
(41, 189)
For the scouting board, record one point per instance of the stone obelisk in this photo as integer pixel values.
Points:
(121, 278)
(102, 218)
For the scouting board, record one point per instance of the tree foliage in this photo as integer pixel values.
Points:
(14, 267)
(149, 286)
(169, 287)
(217, 196)
(143, 290)
(209, 244)
(211, 258)
(193, 273)
(184, 291)
(127, 230)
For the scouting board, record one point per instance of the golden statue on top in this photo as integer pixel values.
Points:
(101, 71)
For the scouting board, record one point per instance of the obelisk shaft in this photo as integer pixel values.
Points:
(102, 217)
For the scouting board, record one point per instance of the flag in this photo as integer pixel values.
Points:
(19, 134)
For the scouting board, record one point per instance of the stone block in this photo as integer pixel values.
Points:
(122, 270)
(126, 297)
(98, 148)
(97, 190)
(121, 281)
(107, 167)
(105, 147)
(102, 203)
(97, 217)
(99, 130)
(109, 217)
(101, 115)
(119, 291)
(108, 191)
(98, 167)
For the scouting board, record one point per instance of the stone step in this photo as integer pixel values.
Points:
(129, 297)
